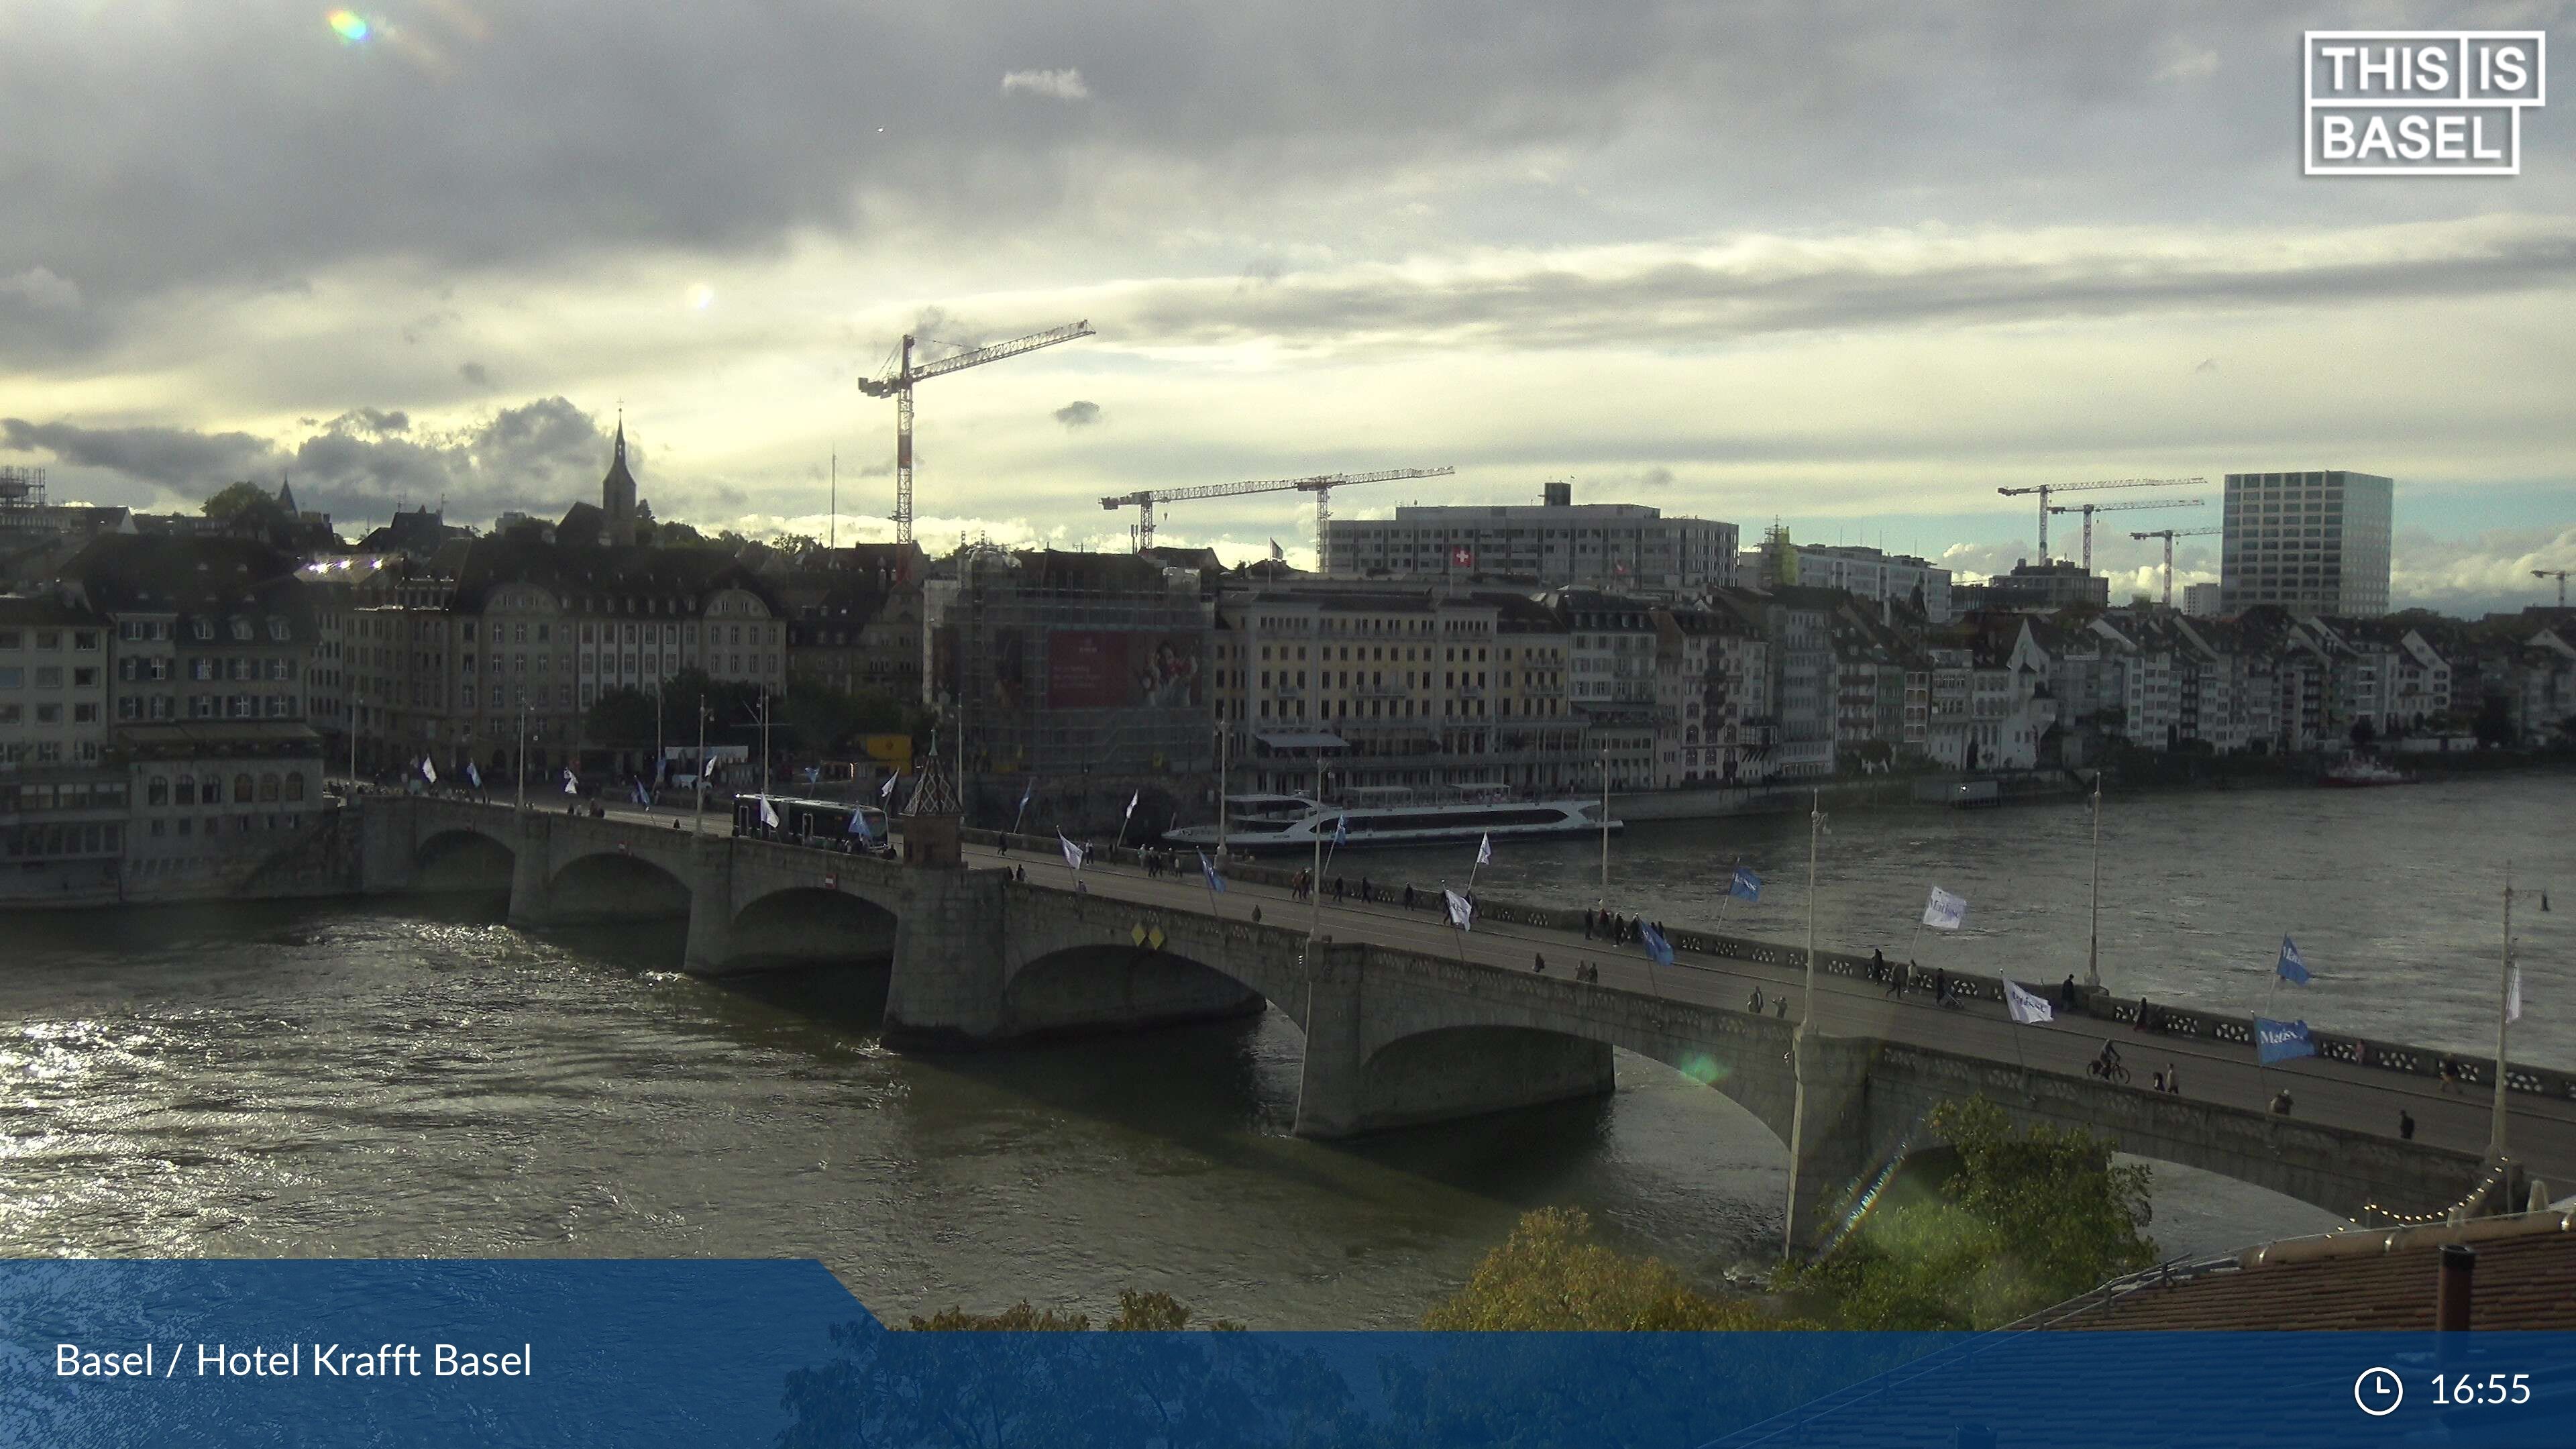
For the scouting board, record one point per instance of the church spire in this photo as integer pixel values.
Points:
(617, 490)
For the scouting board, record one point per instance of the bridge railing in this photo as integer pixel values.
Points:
(2189, 1023)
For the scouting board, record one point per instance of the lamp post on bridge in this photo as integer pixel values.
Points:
(2504, 1019)
(1798, 1039)
(523, 757)
(2093, 950)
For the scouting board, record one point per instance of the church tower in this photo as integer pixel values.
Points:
(617, 495)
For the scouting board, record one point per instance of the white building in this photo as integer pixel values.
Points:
(1623, 547)
(2200, 601)
(2313, 543)
(1867, 573)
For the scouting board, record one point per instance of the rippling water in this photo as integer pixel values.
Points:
(417, 1078)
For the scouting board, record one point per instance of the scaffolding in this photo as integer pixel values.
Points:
(22, 488)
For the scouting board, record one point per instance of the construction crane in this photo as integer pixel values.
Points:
(897, 383)
(1322, 486)
(2089, 509)
(2561, 576)
(2045, 489)
(2169, 535)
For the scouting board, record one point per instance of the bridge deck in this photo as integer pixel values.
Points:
(2542, 1129)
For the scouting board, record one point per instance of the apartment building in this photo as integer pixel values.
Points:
(1631, 548)
(2312, 543)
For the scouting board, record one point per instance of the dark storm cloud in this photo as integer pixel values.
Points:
(1613, 300)
(1079, 413)
(235, 145)
(541, 456)
(171, 457)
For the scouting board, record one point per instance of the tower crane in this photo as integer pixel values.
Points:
(897, 380)
(2089, 509)
(1322, 486)
(2561, 576)
(2045, 489)
(2169, 535)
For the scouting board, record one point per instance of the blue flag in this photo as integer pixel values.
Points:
(1031, 789)
(2292, 966)
(1341, 832)
(473, 775)
(859, 824)
(1215, 882)
(1746, 886)
(2281, 1041)
(1657, 948)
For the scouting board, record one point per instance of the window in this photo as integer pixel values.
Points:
(277, 630)
(87, 713)
(158, 792)
(49, 714)
(49, 676)
(268, 787)
(244, 789)
(202, 628)
(13, 677)
(295, 787)
(241, 630)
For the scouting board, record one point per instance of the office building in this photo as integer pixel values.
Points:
(2200, 601)
(1866, 572)
(1623, 547)
(2055, 584)
(2312, 543)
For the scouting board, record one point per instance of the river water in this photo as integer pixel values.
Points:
(388, 1079)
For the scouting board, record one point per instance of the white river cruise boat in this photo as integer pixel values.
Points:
(1392, 815)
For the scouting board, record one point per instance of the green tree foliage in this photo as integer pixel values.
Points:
(826, 719)
(2029, 1218)
(1152, 1312)
(236, 499)
(621, 716)
(1551, 1275)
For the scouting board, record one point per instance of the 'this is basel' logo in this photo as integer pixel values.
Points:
(2420, 102)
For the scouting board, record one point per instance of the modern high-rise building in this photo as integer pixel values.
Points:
(1627, 548)
(2200, 601)
(2313, 543)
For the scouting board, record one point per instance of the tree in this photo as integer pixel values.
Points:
(676, 535)
(2028, 1218)
(825, 719)
(622, 716)
(236, 499)
(2363, 733)
(1551, 1275)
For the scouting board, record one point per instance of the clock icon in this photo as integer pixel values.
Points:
(2378, 1391)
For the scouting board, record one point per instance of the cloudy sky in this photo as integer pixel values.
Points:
(1848, 266)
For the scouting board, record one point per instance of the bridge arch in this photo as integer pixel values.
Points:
(614, 886)
(1105, 986)
(812, 924)
(463, 858)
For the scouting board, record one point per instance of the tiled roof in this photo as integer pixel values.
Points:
(2525, 1279)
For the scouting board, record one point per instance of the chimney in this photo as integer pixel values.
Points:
(2452, 1292)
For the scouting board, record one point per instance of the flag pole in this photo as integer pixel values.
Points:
(2093, 949)
(2504, 1019)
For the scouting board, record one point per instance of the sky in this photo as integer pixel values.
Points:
(1848, 267)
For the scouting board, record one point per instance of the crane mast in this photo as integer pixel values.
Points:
(2561, 576)
(2045, 489)
(897, 384)
(1321, 485)
(2169, 535)
(2089, 509)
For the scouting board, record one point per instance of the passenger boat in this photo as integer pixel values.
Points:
(2361, 771)
(1392, 815)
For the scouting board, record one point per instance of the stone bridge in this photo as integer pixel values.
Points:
(1395, 1035)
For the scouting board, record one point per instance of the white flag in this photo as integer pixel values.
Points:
(1072, 852)
(1131, 805)
(2513, 993)
(1945, 911)
(1485, 850)
(428, 770)
(1461, 910)
(768, 816)
(2028, 1008)
(886, 790)
(570, 787)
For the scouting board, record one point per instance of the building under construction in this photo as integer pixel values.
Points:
(1079, 673)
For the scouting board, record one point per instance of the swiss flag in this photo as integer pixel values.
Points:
(1462, 557)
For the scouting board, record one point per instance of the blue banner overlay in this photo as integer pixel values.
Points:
(778, 1353)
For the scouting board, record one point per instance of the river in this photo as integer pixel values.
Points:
(415, 1077)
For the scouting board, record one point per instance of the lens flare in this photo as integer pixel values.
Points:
(349, 24)
(701, 297)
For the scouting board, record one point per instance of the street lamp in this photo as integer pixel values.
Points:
(2093, 951)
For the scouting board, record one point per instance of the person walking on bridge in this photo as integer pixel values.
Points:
(2066, 993)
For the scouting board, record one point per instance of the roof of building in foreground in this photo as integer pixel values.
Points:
(2380, 1279)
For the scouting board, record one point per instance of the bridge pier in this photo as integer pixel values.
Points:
(388, 845)
(950, 960)
(532, 870)
(710, 906)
